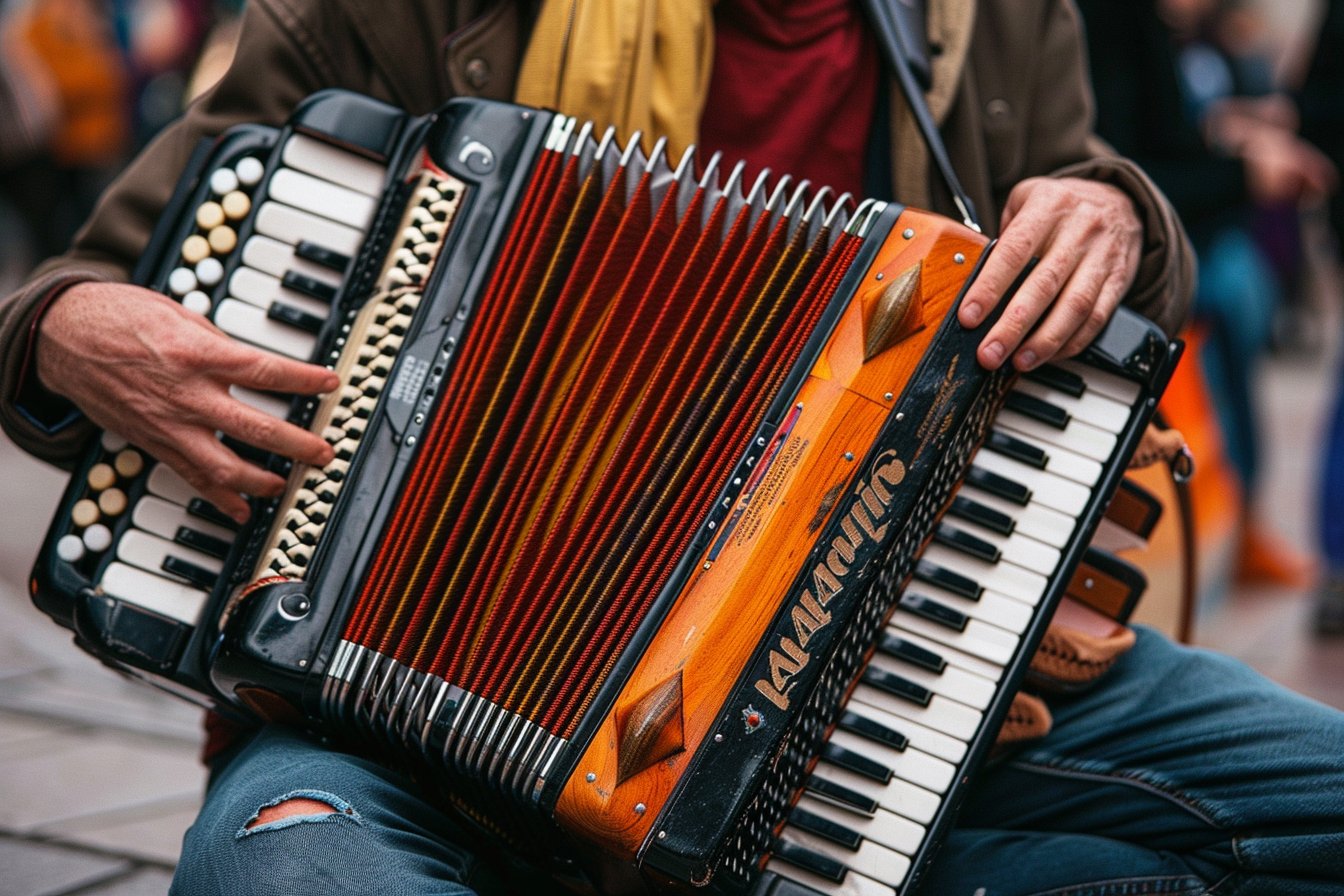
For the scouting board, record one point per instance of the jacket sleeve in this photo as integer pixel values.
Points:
(282, 57)
(1061, 141)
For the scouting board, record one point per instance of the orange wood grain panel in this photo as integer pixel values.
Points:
(722, 612)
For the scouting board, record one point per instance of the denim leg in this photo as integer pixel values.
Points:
(381, 837)
(1184, 770)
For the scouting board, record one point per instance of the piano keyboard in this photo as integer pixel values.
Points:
(906, 731)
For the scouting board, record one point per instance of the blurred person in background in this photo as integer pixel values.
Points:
(1321, 102)
(1175, 101)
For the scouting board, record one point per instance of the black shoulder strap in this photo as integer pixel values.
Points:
(901, 35)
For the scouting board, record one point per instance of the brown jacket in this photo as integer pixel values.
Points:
(1010, 94)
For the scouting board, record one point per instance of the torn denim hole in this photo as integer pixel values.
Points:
(333, 809)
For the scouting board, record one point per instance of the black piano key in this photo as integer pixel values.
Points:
(1001, 486)
(247, 452)
(1012, 446)
(930, 609)
(974, 512)
(875, 731)
(1058, 378)
(199, 541)
(810, 860)
(309, 286)
(328, 258)
(948, 580)
(813, 823)
(856, 763)
(204, 510)
(897, 686)
(295, 317)
(844, 796)
(901, 649)
(1037, 409)
(967, 543)
(201, 578)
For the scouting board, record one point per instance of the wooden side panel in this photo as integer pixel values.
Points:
(744, 576)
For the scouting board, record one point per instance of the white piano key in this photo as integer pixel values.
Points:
(1036, 520)
(891, 830)
(322, 197)
(1079, 437)
(256, 288)
(293, 225)
(952, 683)
(1062, 461)
(1091, 407)
(954, 657)
(900, 797)
(980, 639)
(271, 256)
(165, 483)
(909, 764)
(271, 405)
(854, 884)
(250, 324)
(1046, 488)
(167, 597)
(1122, 390)
(334, 164)
(163, 518)
(871, 859)
(146, 551)
(920, 737)
(992, 608)
(1005, 577)
(942, 714)
(1017, 548)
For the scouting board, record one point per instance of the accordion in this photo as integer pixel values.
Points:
(671, 515)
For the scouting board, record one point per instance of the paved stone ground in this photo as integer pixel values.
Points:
(98, 777)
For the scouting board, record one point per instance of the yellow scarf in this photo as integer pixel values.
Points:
(640, 65)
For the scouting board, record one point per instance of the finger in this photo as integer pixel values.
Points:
(220, 476)
(1084, 305)
(1112, 292)
(261, 430)
(1010, 256)
(269, 372)
(1027, 306)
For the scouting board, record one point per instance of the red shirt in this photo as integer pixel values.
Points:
(793, 89)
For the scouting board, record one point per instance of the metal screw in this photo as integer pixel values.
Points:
(640, 808)
(959, 258)
(718, 738)
(880, 275)
(888, 397)
(419, 418)
(900, 416)
(303, 663)
(662, 835)
(590, 777)
(849, 455)
(908, 233)
(410, 440)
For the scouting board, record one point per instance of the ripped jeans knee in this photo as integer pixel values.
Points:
(299, 807)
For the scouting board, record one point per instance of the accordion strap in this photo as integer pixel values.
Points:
(900, 32)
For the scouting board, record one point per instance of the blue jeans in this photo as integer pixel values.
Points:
(1184, 773)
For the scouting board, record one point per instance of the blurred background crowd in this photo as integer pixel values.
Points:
(1235, 107)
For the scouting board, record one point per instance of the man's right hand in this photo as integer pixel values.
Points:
(144, 367)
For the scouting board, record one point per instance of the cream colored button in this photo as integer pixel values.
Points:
(112, 502)
(195, 248)
(223, 181)
(209, 215)
(223, 240)
(101, 476)
(236, 205)
(70, 548)
(130, 463)
(249, 171)
(84, 513)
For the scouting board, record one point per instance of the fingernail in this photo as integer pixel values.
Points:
(240, 516)
(992, 352)
(970, 314)
(1026, 360)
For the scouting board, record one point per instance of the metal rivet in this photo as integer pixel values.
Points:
(711, 525)
(908, 233)
(477, 71)
(760, 440)
(849, 455)
(900, 416)
(880, 275)
(662, 835)
(718, 738)
(959, 258)
(410, 440)
(302, 663)
(640, 808)
(707, 565)
(590, 777)
(419, 418)
(888, 397)
(1089, 583)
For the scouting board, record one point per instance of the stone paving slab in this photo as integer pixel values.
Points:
(149, 832)
(42, 869)
(145, 882)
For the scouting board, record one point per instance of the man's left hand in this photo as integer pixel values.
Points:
(1087, 238)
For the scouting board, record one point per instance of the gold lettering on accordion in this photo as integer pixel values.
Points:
(864, 524)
